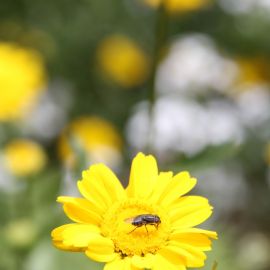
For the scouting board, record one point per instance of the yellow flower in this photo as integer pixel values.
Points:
(103, 227)
(96, 136)
(123, 61)
(23, 157)
(253, 71)
(267, 153)
(21, 233)
(175, 6)
(21, 80)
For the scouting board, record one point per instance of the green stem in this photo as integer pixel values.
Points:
(19, 260)
(160, 41)
(215, 264)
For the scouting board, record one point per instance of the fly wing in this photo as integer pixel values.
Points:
(129, 220)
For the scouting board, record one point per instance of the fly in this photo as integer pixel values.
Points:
(143, 220)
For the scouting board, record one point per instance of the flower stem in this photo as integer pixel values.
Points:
(215, 264)
(160, 41)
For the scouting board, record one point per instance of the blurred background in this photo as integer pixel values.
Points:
(91, 81)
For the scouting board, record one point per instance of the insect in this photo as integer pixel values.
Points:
(144, 219)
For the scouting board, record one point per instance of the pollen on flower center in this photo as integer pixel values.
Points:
(142, 240)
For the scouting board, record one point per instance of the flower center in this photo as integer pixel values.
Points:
(132, 234)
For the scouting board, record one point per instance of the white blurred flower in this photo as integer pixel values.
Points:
(244, 6)
(226, 187)
(254, 249)
(7, 182)
(183, 125)
(50, 115)
(254, 105)
(194, 65)
(224, 124)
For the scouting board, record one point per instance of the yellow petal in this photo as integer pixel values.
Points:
(195, 237)
(91, 194)
(143, 262)
(74, 236)
(162, 182)
(100, 186)
(161, 262)
(171, 256)
(210, 234)
(193, 256)
(63, 247)
(179, 255)
(80, 210)
(143, 176)
(101, 249)
(198, 240)
(57, 239)
(189, 211)
(178, 186)
(110, 182)
(187, 203)
(120, 264)
(117, 264)
(56, 234)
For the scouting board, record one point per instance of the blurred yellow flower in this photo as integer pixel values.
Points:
(148, 225)
(21, 233)
(97, 137)
(22, 78)
(175, 6)
(24, 157)
(253, 71)
(123, 61)
(267, 153)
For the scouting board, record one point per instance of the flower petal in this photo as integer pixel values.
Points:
(80, 210)
(210, 234)
(171, 256)
(101, 249)
(117, 264)
(143, 262)
(58, 239)
(178, 186)
(100, 186)
(143, 175)
(74, 237)
(189, 211)
(161, 262)
(120, 264)
(195, 237)
(193, 256)
(111, 183)
(198, 240)
(163, 180)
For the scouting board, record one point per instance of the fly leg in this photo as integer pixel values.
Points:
(137, 226)
(146, 228)
(155, 225)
